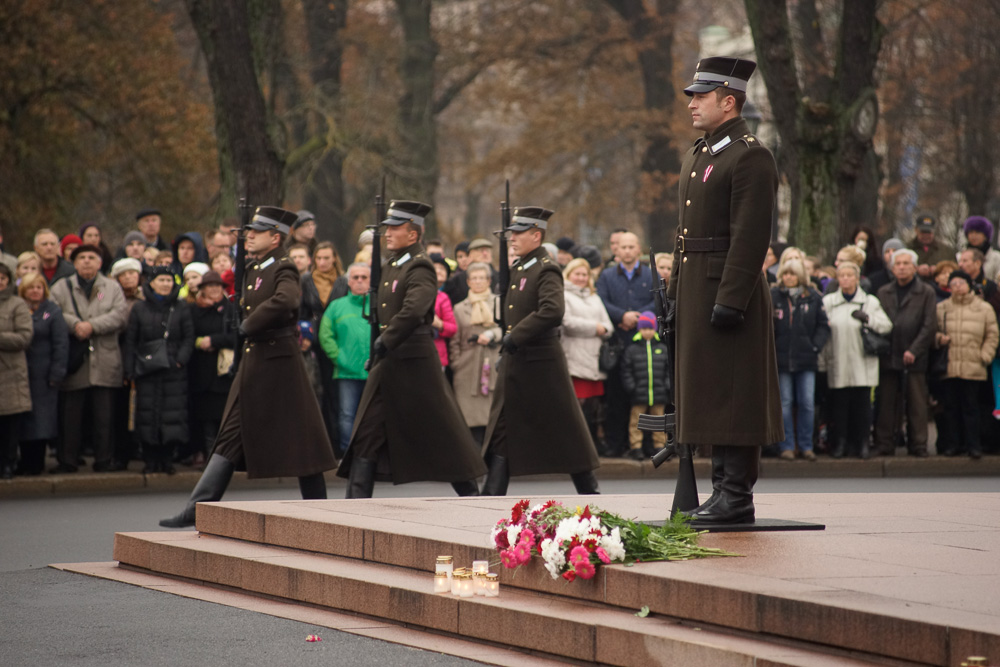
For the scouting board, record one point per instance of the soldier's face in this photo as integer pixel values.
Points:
(398, 237)
(261, 242)
(708, 111)
(521, 243)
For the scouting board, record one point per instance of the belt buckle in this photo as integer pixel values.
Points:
(680, 243)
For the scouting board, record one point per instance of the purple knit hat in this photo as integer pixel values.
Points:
(977, 223)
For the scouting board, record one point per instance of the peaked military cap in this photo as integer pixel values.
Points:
(272, 219)
(146, 211)
(401, 211)
(721, 72)
(925, 222)
(526, 217)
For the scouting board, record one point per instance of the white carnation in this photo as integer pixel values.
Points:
(512, 533)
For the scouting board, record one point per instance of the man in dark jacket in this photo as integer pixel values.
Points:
(626, 290)
(271, 425)
(53, 266)
(536, 425)
(930, 250)
(726, 374)
(408, 426)
(912, 307)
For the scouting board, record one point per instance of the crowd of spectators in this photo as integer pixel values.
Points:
(127, 355)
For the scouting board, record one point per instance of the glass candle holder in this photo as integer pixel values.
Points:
(443, 564)
(442, 583)
(492, 585)
(480, 566)
(465, 586)
(479, 583)
(456, 580)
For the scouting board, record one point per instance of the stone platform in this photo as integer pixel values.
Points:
(895, 579)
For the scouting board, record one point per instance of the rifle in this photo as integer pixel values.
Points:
(246, 210)
(686, 491)
(376, 273)
(501, 317)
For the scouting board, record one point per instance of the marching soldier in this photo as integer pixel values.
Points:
(271, 426)
(536, 425)
(408, 426)
(726, 367)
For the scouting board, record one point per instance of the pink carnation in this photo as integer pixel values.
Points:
(603, 555)
(509, 559)
(585, 569)
(522, 552)
(527, 536)
(579, 555)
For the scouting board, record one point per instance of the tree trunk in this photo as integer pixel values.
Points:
(249, 165)
(325, 22)
(653, 36)
(417, 169)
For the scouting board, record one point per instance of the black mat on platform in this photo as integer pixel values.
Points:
(761, 525)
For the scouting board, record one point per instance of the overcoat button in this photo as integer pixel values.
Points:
(692, 174)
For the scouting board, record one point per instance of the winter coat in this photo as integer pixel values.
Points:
(800, 329)
(63, 270)
(621, 295)
(931, 254)
(426, 436)
(972, 326)
(645, 370)
(444, 311)
(545, 428)
(345, 336)
(218, 322)
(46, 369)
(474, 366)
(161, 397)
(105, 311)
(281, 427)
(584, 311)
(15, 338)
(726, 380)
(312, 307)
(844, 357)
(991, 260)
(200, 254)
(913, 324)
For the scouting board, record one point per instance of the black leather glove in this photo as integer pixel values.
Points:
(380, 347)
(242, 331)
(508, 345)
(724, 317)
(860, 316)
(670, 317)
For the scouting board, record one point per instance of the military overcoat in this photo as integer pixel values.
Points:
(426, 435)
(726, 380)
(281, 427)
(545, 428)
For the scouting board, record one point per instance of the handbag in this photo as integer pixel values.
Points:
(152, 356)
(609, 356)
(78, 349)
(224, 362)
(876, 344)
(937, 365)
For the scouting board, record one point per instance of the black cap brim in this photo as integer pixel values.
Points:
(260, 226)
(521, 227)
(701, 87)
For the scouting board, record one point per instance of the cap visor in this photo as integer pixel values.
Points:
(259, 226)
(519, 227)
(394, 222)
(700, 88)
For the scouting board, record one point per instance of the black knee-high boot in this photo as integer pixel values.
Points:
(361, 483)
(497, 478)
(210, 487)
(735, 501)
(466, 488)
(585, 483)
(313, 487)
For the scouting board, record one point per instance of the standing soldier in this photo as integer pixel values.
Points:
(271, 426)
(726, 367)
(408, 426)
(536, 425)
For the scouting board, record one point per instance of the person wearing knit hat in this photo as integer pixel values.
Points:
(646, 371)
(68, 244)
(883, 276)
(192, 279)
(979, 235)
(134, 245)
(126, 264)
(961, 275)
(566, 250)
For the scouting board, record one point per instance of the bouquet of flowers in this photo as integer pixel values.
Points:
(573, 542)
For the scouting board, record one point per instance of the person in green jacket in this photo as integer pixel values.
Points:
(344, 336)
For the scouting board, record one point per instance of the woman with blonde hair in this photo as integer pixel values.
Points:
(585, 326)
(27, 262)
(851, 373)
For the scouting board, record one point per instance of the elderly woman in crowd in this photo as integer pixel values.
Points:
(15, 398)
(444, 316)
(161, 395)
(968, 326)
(128, 273)
(46, 369)
(851, 374)
(474, 350)
(800, 332)
(855, 255)
(585, 326)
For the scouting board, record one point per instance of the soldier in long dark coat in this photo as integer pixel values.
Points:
(272, 425)
(726, 375)
(408, 426)
(536, 425)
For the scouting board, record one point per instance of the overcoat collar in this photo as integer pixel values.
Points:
(724, 136)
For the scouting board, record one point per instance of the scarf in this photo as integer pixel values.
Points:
(86, 285)
(324, 283)
(481, 311)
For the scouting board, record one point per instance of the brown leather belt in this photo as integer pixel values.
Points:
(707, 244)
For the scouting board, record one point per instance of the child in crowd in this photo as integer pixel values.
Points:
(646, 372)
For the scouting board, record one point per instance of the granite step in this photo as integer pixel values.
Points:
(529, 620)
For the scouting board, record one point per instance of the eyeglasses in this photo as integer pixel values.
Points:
(361, 277)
